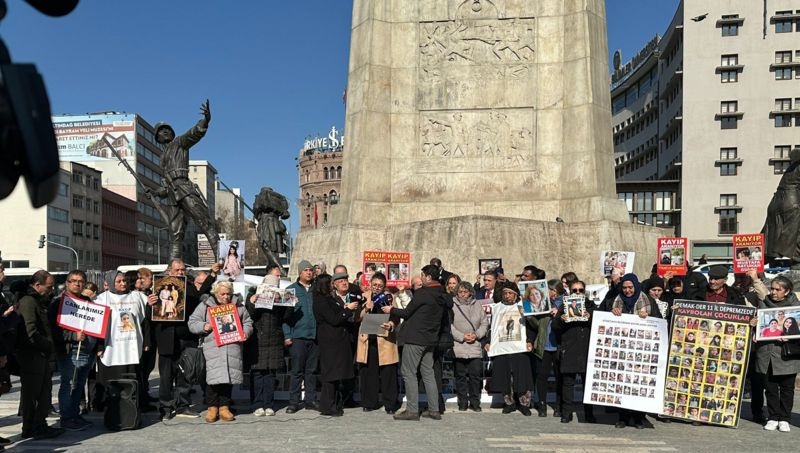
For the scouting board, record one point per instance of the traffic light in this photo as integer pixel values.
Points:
(42, 240)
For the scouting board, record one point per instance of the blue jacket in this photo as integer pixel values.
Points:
(301, 323)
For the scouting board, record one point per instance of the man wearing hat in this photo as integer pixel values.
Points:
(300, 335)
(718, 291)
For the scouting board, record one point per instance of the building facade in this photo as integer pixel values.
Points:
(86, 213)
(714, 107)
(119, 230)
(320, 172)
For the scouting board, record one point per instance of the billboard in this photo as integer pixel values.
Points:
(80, 137)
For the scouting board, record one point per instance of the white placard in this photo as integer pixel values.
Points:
(83, 316)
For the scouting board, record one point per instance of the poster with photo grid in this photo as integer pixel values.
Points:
(708, 354)
(627, 360)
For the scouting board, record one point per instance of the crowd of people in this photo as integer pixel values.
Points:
(439, 317)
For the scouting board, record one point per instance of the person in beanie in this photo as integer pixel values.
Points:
(300, 336)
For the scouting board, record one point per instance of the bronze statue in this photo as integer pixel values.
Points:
(183, 197)
(782, 227)
(269, 210)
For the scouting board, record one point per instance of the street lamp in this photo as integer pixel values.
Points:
(43, 240)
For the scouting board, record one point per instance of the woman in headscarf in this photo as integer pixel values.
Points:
(631, 300)
(120, 356)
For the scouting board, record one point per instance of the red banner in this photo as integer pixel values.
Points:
(226, 325)
(748, 252)
(672, 255)
(396, 266)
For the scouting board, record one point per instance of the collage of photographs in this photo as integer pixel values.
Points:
(625, 365)
(707, 364)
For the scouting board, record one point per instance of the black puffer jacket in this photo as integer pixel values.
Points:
(423, 317)
(264, 350)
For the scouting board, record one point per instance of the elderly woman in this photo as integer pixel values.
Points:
(511, 373)
(223, 363)
(632, 300)
(469, 327)
(772, 369)
(377, 356)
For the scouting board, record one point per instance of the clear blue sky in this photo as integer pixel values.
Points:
(273, 70)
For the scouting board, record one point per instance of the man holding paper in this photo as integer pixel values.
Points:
(75, 354)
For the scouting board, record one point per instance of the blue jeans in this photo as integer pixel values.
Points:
(69, 395)
(264, 388)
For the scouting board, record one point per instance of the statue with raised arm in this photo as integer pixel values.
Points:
(782, 227)
(183, 197)
(270, 209)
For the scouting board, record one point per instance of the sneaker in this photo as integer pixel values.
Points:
(783, 426)
(167, 415)
(406, 415)
(187, 413)
(269, 412)
(259, 412)
(73, 424)
(433, 415)
(771, 425)
(46, 433)
(292, 408)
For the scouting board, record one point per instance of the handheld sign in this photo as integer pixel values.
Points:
(672, 255)
(83, 316)
(749, 250)
(226, 325)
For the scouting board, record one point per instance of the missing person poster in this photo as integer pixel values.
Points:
(268, 296)
(778, 323)
(232, 259)
(396, 266)
(225, 324)
(171, 303)
(575, 308)
(672, 253)
(83, 316)
(749, 252)
(611, 260)
(627, 362)
(508, 334)
(708, 357)
(535, 297)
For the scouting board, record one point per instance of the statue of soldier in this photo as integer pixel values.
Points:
(182, 195)
(782, 227)
(269, 209)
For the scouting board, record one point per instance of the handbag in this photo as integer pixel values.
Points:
(790, 351)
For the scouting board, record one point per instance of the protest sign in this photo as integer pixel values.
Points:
(225, 324)
(627, 362)
(778, 323)
(83, 316)
(486, 304)
(621, 261)
(707, 363)
(535, 297)
(205, 254)
(268, 296)
(748, 250)
(232, 258)
(508, 334)
(394, 265)
(672, 255)
(489, 264)
(575, 308)
(171, 303)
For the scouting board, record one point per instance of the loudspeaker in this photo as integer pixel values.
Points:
(122, 405)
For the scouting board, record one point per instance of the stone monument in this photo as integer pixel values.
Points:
(471, 126)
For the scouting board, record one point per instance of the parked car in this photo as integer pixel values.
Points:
(769, 273)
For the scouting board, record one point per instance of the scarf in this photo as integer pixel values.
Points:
(635, 302)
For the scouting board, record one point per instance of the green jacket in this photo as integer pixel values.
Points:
(35, 336)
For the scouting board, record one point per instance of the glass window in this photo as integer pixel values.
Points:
(730, 60)
(727, 221)
(63, 189)
(783, 120)
(727, 169)
(729, 76)
(730, 29)
(729, 107)
(784, 56)
(728, 199)
(783, 73)
(729, 123)
(783, 104)
(57, 214)
(727, 153)
(782, 151)
(779, 167)
(784, 26)
(627, 197)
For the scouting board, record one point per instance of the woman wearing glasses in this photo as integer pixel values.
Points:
(772, 370)
(573, 351)
(633, 301)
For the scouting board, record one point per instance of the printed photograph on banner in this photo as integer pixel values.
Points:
(672, 255)
(778, 323)
(621, 261)
(266, 295)
(627, 362)
(225, 324)
(171, 303)
(232, 259)
(288, 298)
(575, 308)
(507, 333)
(395, 266)
(707, 363)
(489, 264)
(535, 297)
(748, 252)
(486, 304)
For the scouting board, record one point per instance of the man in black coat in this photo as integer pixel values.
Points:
(172, 338)
(419, 336)
(718, 290)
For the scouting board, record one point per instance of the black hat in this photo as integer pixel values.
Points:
(718, 271)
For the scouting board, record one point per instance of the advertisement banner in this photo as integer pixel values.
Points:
(621, 261)
(80, 137)
(627, 362)
(395, 266)
(748, 252)
(83, 316)
(672, 255)
(225, 324)
(708, 357)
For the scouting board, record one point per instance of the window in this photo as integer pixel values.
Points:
(63, 189)
(88, 230)
(326, 173)
(339, 172)
(77, 201)
(783, 26)
(727, 169)
(729, 106)
(782, 151)
(96, 183)
(727, 153)
(779, 167)
(728, 199)
(77, 228)
(783, 56)
(783, 104)
(627, 197)
(96, 231)
(58, 239)
(663, 201)
(97, 207)
(727, 221)
(77, 177)
(783, 73)
(729, 76)
(729, 122)
(730, 29)
(730, 60)
(57, 214)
